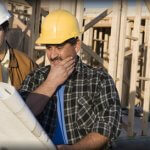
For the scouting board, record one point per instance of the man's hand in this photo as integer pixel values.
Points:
(92, 141)
(59, 73)
(64, 147)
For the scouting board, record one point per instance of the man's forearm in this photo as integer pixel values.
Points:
(57, 76)
(93, 141)
(39, 98)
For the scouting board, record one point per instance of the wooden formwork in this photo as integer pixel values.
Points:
(111, 39)
(127, 56)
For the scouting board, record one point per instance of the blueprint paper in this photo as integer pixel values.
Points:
(19, 129)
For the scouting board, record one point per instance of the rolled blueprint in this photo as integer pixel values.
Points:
(19, 129)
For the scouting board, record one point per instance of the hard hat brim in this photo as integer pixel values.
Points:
(45, 40)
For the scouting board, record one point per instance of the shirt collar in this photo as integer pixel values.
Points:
(79, 65)
(79, 69)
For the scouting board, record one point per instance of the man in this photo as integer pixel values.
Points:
(14, 65)
(77, 105)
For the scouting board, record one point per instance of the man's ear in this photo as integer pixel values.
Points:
(78, 46)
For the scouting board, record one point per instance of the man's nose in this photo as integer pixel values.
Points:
(54, 52)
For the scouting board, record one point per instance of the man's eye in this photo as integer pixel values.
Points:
(48, 47)
(59, 47)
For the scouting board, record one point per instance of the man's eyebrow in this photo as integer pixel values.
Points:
(57, 45)
(60, 45)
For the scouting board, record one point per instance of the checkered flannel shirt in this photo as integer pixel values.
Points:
(91, 103)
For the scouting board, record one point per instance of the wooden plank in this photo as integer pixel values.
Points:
(128, 52)
(129, 18)
(47, 62)
(128, 34)
(18, 23)
(87, 39)
(143, 78)
(69, 5)
(54, 4)
(35, 19)
(114, 39)
(80, 12)
(146, 104)
(97, 19)
(134, 66)
(147, 31)
(126, 70)
(108, 24)
(63, 4)
(79, 16)
(32, 23)
(131, 38)
(99, 24)
(95, 41)
(100, 51)
(122, 38)
(90, 52)
(105, 49)
(99, 40)
(39, 47)
(147, 2)
(40, 60)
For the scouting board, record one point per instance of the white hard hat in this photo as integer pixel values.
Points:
(4, 14)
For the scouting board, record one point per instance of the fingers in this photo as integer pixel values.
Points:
(70, 71)
(69, 64)
(71, 67)
(66, 62)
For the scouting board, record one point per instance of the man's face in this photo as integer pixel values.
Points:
(57, 53)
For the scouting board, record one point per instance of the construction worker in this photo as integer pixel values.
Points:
(14, 65)
(77, 105)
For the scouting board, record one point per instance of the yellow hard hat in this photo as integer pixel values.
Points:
(57, 27)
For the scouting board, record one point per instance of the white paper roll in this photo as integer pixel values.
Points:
(18, 123)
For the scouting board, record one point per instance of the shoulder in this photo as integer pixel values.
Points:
(35, 78)
(25, 63)
(98, 76)
(21, 54)
(99, 72)
(22, 59)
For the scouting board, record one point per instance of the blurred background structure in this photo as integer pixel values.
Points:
(116, 35)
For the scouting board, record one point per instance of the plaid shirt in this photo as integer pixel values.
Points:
(91, 103)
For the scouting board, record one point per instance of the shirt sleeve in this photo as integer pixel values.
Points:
(31, 82)
(108, 109)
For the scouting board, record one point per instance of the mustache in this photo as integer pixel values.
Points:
(56, 58)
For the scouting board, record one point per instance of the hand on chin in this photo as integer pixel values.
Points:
(56, 62)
